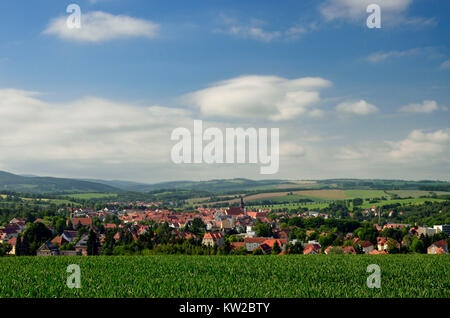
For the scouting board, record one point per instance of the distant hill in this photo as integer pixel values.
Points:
(32, 184)
(123, 185)
(215, 186)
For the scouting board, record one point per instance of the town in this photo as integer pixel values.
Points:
(148, 229)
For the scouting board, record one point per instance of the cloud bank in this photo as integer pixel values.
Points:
(269, 97)
(100, 26)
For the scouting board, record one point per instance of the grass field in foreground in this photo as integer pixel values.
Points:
(227, 276)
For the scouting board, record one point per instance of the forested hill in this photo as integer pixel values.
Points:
(32, 184)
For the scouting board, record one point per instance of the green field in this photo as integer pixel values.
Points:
(227, 276)
(415, 201)
(88, 196)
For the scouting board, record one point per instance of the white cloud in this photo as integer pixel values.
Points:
(255, 96)
(393, 12)
(290, 149)
(255, 29)
(357, 108)
(445, 65)
(381, 56)
(91, 131)
(100, 26)
(351, 153)
(254, 33)
(427, 106)
(419, 154)
(297, 31)
(420, 145)
(356, 9)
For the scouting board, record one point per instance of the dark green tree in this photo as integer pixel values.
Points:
(92, 243)
(276, 249)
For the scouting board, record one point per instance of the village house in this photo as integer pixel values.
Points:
(237, 245)
(366, 246)
(268, 244)
(426, 231)
(439, 247)
(381, 244)
(48, 249)
(442, 228)
(311, 249)
(81, 246)
(69, 236)
(11, 230)
(87, 222)
(213, 239)
(225, 224)
(58, 240)
(252, 243)
(375, 252)
(13, 243)
(349, 250)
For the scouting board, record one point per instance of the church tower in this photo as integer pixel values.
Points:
(243, 206)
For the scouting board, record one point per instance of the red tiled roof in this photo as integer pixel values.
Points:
(365, 244)
(441, 243)
(82, 221)
(213, 236)
(258, 240)
(271, 242)
(236, 245)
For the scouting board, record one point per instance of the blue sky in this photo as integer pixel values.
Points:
(392, 85)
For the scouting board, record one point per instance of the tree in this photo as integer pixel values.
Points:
(276, 249)
(70, 225)
(22, 246)
(297, 248)
(92, 243)
(197, 227)
(60, 226)
(35, 235)
(240, 251)
(392, 246)
(327, 240)
(357, 201)
(417, 246)
(367, 233)
(258, 251)
(335, 250)
(5, 248)
(110, 243)
(263, 230)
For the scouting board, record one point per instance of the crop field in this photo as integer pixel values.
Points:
(227, 276)
(322, 198)
(414, 201)
(415, 193)
(88, 196)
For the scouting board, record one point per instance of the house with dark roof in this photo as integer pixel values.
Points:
(48, 249)
(81, 246)
(69, 236)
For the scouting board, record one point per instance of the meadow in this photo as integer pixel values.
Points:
(227, 276)
(322, 198)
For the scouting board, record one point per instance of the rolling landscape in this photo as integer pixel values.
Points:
(214, 157)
